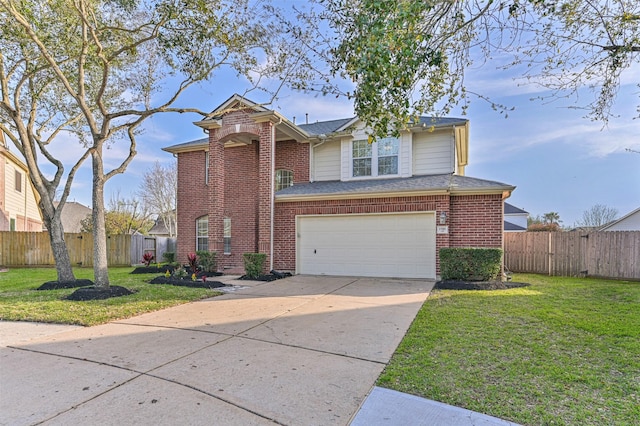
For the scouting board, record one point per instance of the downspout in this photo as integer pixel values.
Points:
(272, 195)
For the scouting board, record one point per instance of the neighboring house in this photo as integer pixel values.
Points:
(160, 229)
(319, 199)
(19, 209)
(72, 215)
(629, 222)
(515, 219)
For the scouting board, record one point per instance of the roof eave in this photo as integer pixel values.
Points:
(195, 147)
(504, 190)
(358, 195)
(282, 123)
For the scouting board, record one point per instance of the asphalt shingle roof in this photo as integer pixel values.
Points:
(508, 226)
(187, 144)
(324, 127)
(511, 209)
(415, 183)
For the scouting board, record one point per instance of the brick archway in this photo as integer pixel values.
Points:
(244, 129)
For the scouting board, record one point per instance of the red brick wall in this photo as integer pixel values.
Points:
(192, 200)
(241, 203)
(476, 221)
(284, 233)
(294, 156)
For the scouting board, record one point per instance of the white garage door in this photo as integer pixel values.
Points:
(373, 245)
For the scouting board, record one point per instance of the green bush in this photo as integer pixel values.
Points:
(253, 264)
(208, 260)
(169, 257)
(470, 264)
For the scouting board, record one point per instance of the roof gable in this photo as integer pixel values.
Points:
(630, 217)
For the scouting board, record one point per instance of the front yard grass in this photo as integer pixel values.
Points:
(564, 351)
(20, 301)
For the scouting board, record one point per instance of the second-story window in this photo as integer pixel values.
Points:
(18, 177)
(284, 179)
(376, 159)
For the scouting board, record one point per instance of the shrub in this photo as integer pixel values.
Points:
(207, 260)
(180, 272)
(544, 227)
(169, 257)
(253, 264)
(470, 264)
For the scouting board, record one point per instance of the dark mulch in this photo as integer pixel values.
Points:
(477, 285)
(57, 285)
(96, 293)
(272, 276)
(153, 269)
(186, 282)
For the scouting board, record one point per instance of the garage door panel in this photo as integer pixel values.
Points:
(395, 245)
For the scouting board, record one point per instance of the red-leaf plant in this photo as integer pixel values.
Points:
(147, 258)
(193, 262)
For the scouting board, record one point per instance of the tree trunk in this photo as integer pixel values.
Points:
(58, 247)
(100, 265)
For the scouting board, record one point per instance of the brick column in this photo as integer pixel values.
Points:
(265, 190)
(216, 194)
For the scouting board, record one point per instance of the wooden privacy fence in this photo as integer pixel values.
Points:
(141, 244)
(599, 254)
(34, 249)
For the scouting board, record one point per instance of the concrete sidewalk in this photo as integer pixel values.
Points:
(301, 351)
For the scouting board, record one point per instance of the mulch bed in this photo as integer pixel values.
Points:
(478, 285)
(274, 275)
(170, 268)
(95, 293)
(153, 269)
(57, 285)
(186, 282)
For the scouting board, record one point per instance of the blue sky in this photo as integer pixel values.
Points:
(558, 160)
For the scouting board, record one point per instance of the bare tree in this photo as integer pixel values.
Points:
(598, 215)
(158, 194)
(122, 216)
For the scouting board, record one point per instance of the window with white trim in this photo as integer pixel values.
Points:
(202, 233)
(284, 179)
(379, 158)
(227, 235)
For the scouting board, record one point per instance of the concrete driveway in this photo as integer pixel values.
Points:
(305, 350)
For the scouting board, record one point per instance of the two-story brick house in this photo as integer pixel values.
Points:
(317, 198)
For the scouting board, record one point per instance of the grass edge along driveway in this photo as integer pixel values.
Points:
(563, 351)
(19, 300)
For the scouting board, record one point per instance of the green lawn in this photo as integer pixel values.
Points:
(564, 351)
(20, 301)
